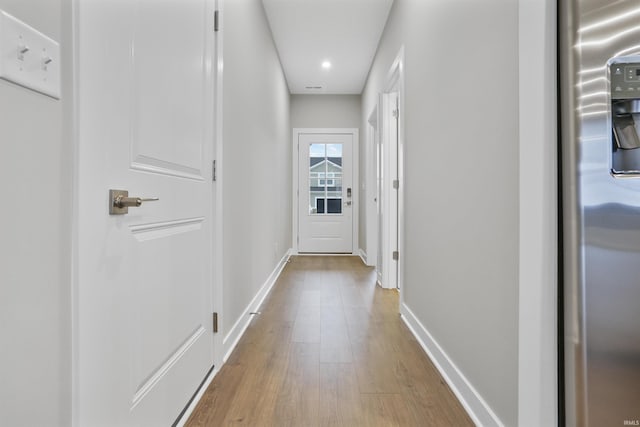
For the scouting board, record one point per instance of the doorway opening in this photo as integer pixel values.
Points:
(389, 170)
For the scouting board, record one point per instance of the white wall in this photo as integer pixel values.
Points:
(256, 164)
(35, 242)
(326, 111)
(461, 182)
(538, 358)
(332, 111)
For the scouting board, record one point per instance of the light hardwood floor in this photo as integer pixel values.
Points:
(328, 349)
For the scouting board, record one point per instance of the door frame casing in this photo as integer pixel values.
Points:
(295, 182)
(217, 196)
(393, 228)
(389, 195)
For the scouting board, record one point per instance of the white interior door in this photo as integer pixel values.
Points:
(371, 190)
(142, 322)
(326, 194)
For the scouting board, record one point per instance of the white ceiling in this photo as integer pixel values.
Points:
(344, 32)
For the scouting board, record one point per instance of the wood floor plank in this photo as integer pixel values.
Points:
(340, 403)
(307, 324)
(335, 346)
(328, 349)
(297, 400)
(385, 410)
(375, 372)
(213, 407)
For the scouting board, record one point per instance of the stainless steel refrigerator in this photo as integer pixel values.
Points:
(599, 56)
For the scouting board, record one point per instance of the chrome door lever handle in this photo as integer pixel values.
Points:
(130, 202)
(120, 202)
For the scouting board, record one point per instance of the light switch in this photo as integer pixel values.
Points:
(28, 57)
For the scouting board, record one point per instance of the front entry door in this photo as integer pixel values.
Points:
(326, 194)
(144, 121)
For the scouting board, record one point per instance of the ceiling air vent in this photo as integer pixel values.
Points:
(313, 87)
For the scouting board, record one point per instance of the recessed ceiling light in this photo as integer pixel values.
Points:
(326, 65)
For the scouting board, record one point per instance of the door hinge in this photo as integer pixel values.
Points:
(396, 113)
(396, 255)
(396, 184)
(215, 323)
(214, 172)
(216, 21)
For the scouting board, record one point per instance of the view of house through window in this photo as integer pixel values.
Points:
(325, 179)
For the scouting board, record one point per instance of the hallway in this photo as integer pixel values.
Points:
(202, 116)
(328, 348)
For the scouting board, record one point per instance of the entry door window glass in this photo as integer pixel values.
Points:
(325, 179)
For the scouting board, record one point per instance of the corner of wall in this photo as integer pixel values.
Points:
(232, 338)
(479, 411)
(537, 328)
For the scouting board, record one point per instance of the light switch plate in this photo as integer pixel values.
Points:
(28, 57)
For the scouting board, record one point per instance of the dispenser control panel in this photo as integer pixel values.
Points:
(625, 80)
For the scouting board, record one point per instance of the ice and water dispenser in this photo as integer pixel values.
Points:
(624, 85)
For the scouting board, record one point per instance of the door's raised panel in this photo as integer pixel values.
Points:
(159, 230)
(155, 377)
(170, 287)
(154, 165)
(171, 74)
(185, 373)
(326, 229)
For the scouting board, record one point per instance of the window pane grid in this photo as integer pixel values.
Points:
(325, 179)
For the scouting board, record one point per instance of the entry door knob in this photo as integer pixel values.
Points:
(120, 202)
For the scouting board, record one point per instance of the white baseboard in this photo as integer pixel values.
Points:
(363, 256)
(476, 407)
(231, 339)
